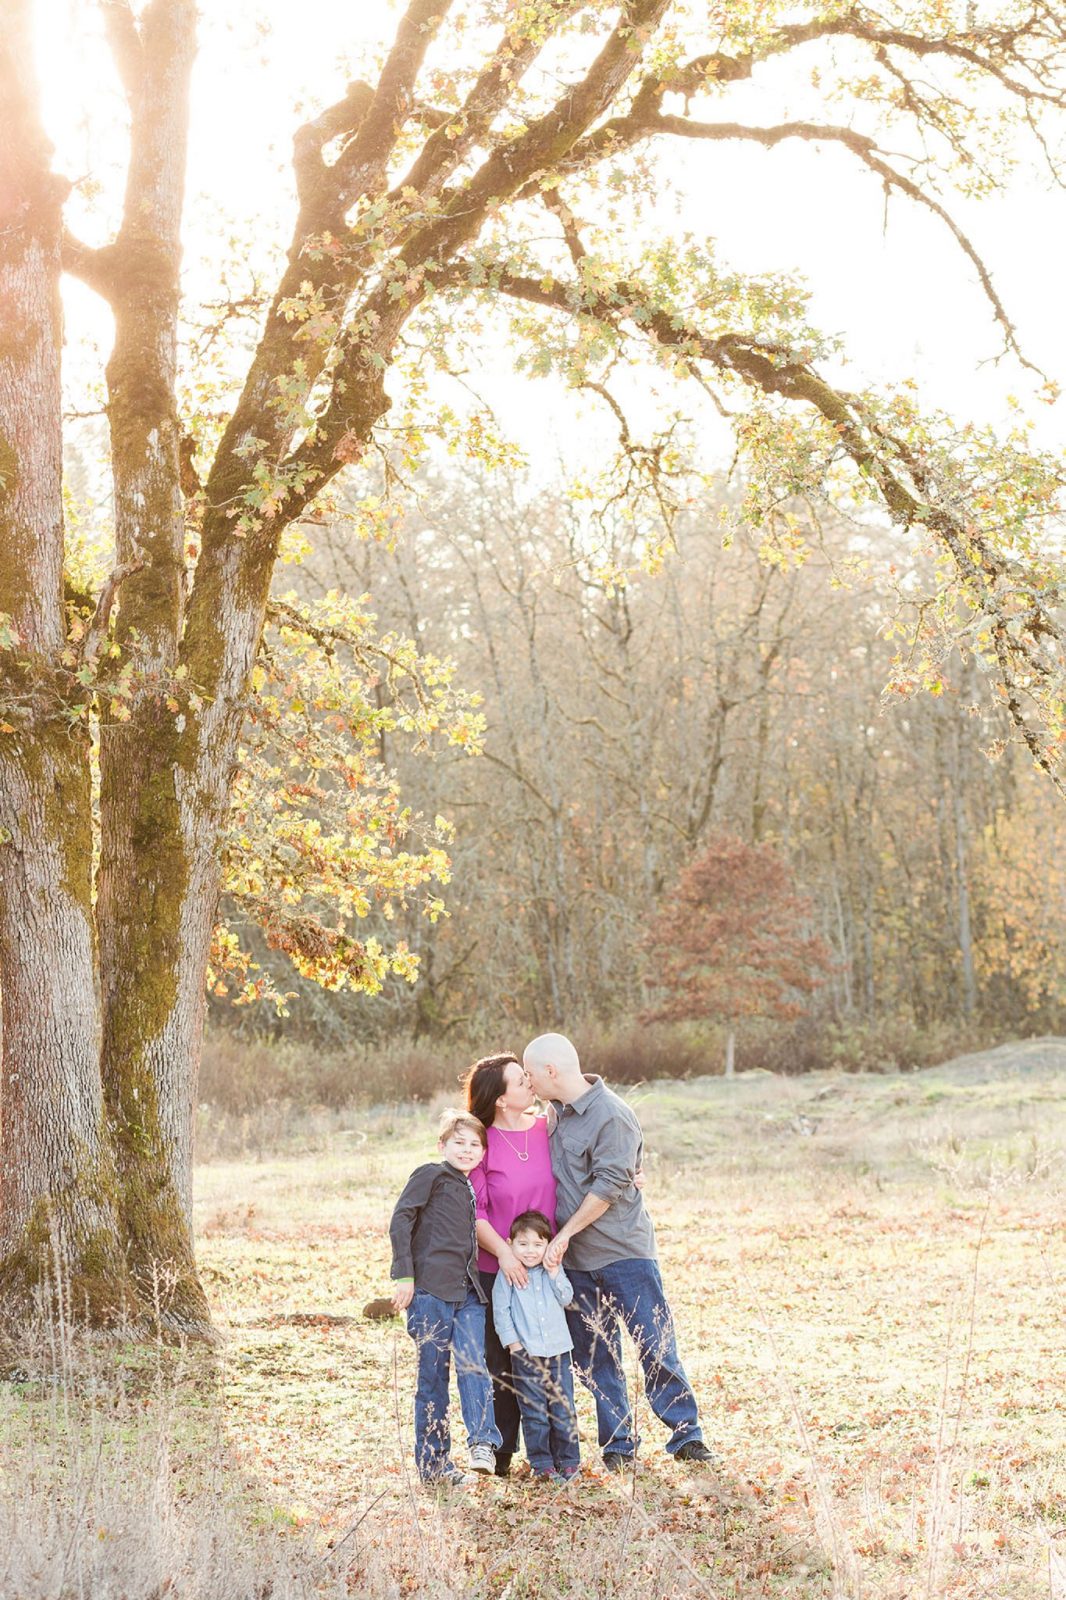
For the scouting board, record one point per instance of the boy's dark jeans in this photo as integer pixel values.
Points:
(439, 1328)
(545, 1389)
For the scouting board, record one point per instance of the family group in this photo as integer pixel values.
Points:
(517, 1190)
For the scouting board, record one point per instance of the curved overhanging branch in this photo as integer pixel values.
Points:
(908, 486)
(869, 28)
(866, 149)
(376, 278)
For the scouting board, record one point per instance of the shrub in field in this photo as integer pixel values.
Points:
(239, 1075)
(899, 1044)
(635, 1053)
(733, 942)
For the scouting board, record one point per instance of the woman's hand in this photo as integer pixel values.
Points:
(638, 1178)
(512, 1269)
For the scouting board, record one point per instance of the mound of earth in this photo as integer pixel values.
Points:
(1022, 1058)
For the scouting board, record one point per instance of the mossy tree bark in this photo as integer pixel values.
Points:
(152, 1001)
(56, 1201)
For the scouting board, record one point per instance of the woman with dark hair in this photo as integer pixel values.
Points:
(514, 1176)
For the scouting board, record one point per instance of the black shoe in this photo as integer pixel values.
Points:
(615, 1462)
(696, 1450)
(503, 1466)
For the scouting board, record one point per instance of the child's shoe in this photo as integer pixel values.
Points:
(482, 1458)
(452, 1477)
(457, 1479)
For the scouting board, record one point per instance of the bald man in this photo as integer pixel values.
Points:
(607, 1237)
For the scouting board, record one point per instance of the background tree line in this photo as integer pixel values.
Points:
(630, 721)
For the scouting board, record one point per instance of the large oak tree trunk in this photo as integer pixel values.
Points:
(152, 1009)
(56, 1198)
(55, 1182)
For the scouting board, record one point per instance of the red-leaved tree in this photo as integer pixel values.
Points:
(734, 941)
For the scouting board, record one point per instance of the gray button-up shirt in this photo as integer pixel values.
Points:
(597, 1147)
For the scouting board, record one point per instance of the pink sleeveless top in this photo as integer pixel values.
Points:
(504, 1184)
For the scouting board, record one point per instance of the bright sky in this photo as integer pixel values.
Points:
(907, 300)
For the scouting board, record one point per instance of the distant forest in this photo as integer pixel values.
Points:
(630, 719)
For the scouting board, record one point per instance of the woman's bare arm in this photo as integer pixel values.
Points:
(510, 1266)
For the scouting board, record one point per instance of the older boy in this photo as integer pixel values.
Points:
(434, 1263)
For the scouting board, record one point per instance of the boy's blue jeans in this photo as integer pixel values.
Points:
(438, 1327)
(545, 1389)
(629, 1292)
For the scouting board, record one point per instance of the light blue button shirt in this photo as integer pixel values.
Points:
(533, 1317)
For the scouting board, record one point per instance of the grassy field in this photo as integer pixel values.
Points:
(869, 1278)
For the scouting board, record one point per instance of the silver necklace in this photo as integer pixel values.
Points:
(523, 1155)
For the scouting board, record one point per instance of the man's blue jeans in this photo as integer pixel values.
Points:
(629, 1293)
(545, 1389)
(438, 1327)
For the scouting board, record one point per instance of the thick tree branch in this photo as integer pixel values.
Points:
(96, 633)
(325, 193)
(125, 41)
(448, 147)
(95, 268)
(315, 181)
(360, 165)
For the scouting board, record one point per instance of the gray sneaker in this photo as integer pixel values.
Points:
(482, 1458)
(451, 1478)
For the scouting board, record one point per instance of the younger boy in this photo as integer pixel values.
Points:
(434, 1261)
(531, 1324)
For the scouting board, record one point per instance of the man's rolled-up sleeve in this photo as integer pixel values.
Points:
(614, 1159)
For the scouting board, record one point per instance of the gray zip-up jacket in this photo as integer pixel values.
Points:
(433, 1233)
